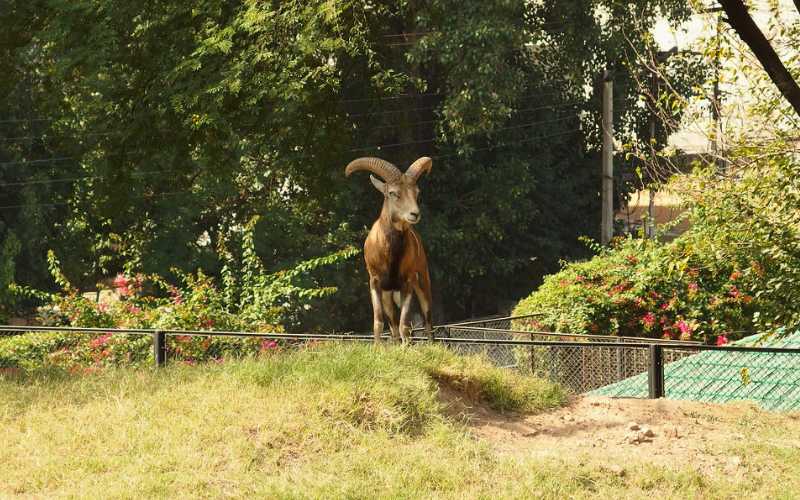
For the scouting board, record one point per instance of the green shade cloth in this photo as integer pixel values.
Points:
(772, 380)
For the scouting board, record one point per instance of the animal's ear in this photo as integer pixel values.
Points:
(379, 185)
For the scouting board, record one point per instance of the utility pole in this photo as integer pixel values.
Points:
(649, 224)
(607, 192)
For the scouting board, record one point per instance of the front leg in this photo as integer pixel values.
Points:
(405, 314)
(377, 310)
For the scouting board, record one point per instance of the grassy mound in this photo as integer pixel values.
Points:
(299, 418)
(328, 421)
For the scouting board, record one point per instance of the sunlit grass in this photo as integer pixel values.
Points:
(334, 421)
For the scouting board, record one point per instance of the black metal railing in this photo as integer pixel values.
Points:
(159, 336)
(607, 365)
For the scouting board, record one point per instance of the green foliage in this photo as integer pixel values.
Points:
(736, 269)
(251, 300)
(9, 249)
(210, 114)
(752, 221)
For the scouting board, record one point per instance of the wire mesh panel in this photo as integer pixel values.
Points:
(499, 354)
(582, 368)
(772, 379)
(575, 365)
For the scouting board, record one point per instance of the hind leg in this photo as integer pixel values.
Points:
(423, 291)
(389, 312)
(405, 314)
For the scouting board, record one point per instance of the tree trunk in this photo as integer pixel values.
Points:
(748, 31)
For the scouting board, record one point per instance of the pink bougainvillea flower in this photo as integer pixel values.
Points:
(735, 275)
(189, 362)
(693, 287)
(268, 345)
(100, 341)
(684, 327)
(649, 319)
(122, 284)
(722, 340)
(665, 306)
(734, 292)
(208, 323)
(183, 338)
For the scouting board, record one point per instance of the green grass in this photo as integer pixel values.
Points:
(333, 421)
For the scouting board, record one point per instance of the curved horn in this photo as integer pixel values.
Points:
(383, 168)
(419, 167)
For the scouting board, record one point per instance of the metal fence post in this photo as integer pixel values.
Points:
(533, 356)
(160, 348)
(655, 372)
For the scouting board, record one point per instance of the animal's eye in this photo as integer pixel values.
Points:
(394, 194)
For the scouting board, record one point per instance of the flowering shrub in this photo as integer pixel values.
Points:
(248, 300)
(736, 270)
(647, 289)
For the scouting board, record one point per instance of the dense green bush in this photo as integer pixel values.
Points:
(736, 270)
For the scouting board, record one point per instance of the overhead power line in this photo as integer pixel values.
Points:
(506, 145)
(79, 178)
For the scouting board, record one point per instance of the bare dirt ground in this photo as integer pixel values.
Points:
(619, 432)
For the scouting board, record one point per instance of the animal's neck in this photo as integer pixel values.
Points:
(390, 225)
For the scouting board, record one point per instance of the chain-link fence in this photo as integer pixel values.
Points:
(580, 363)
(579, 369)
(636, 367)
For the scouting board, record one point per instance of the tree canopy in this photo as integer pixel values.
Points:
(148, 135)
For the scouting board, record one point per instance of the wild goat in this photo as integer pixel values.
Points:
(393, 251)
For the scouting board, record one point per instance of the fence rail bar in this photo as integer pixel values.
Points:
(485, 320)
(634, 345)
(191, 333)
(576, 335)
(311, 336)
